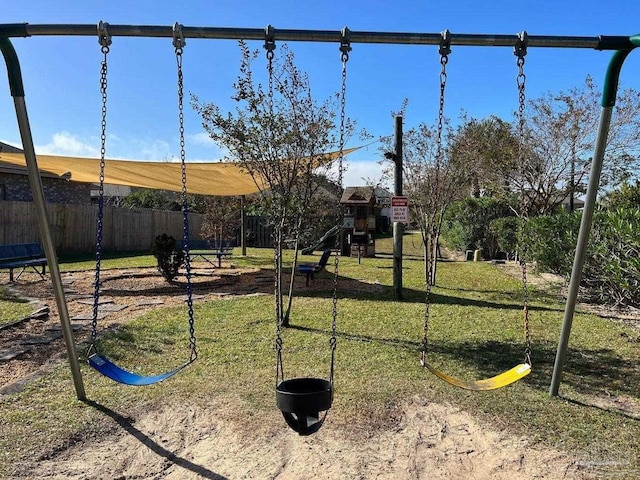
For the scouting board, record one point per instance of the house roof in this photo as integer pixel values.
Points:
(6, 148)
(13, 169)
(358, 196)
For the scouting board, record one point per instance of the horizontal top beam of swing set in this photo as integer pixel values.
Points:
(602, 42)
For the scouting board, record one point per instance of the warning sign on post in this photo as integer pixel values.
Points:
(399, 209)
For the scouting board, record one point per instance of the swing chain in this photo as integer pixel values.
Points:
(520, 50)
(445, 50)
(345, 48)
(270, 46)
(105, 40)
(179, 43)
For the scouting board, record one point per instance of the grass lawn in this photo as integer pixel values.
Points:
(11, 308)
(475, 331)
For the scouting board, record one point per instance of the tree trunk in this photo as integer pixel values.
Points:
(277, 256)
(285, 319)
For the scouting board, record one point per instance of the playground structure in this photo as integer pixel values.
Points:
(359, 226)
(621, 45)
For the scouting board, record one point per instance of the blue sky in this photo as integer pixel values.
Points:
(61, 73)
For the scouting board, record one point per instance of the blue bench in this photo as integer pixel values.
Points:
(309, 269)
(23, 256)
(209, 248)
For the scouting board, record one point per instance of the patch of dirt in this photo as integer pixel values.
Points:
(542, 280)
(221, 441)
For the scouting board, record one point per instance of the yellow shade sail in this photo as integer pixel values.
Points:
(216, 178)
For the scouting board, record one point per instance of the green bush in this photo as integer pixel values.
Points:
(626, 196)
(551, 241)
(168, 255)
(466, 224)
(611, 273)
(612, 268)
(505, 232)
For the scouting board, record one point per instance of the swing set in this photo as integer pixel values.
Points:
(302, 400)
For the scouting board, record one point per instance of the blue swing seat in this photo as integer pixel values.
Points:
(109, 369)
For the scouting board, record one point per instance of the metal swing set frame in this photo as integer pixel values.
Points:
(620, 45)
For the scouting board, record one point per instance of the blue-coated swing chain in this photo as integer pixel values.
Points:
(104, 39)
(179, 43)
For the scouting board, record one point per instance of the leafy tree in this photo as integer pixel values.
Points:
(432, 182)
(485, 153)
(321, 210)
(467, 225)
(148, 198)
(279, 136)
(626, 196)
(221, 218)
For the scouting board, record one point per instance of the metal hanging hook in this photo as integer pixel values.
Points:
(520, 48)
(104, 38)
(269, 39)
(445, 43)
(345, 42)
(178, 38)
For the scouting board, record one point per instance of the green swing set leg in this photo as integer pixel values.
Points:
(17, 92)
(608, 102)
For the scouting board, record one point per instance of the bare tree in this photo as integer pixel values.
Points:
(561, 132)
(221, 218)
(279, 136)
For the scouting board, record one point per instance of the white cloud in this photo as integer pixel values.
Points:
(363, 172)
(201, 138)
(201, 141)
(65, 143)
(151, 149)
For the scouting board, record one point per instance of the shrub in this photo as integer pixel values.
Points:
(505, 232)
(611, 273)
(612, 269)
(168, 255)
(466, 224)
(551, 241)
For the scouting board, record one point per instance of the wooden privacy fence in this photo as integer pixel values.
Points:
(73, 227)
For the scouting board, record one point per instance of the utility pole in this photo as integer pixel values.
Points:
(243, 226)
(574, 140)
(573, 117)
(397, 226)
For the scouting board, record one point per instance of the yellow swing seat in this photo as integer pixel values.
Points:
(501, 380)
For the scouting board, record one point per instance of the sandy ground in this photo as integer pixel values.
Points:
(221, 441)
(429, 441)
